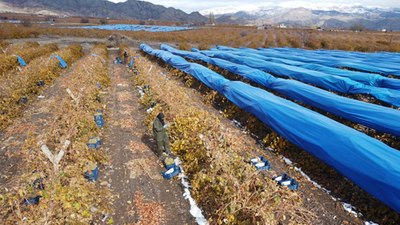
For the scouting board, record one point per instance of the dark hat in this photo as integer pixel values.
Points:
(160, 116)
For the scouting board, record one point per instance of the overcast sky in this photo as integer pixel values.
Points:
(205, 5)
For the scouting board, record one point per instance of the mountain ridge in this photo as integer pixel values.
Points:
(370, 18)
(131, 9)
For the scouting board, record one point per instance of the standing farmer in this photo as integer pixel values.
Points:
(160, 135)
(125, 57)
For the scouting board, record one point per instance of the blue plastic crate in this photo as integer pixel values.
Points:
(172, 172)
(131, 62)
(294, 185)
(94, 143)
(23, 99)
(93, 175)
(98, 118)
(38, 184)
(261, 163)
(100, 123)
(40, 83)
(286, 180)
(32, 200)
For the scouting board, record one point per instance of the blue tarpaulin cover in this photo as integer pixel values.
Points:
(131, 62)
(21, 61)
(362, 77)
(323, 80)
(366, 161)
(380, 118)
(133, 27)
(61, 61)
(370, 62)
(387, 60)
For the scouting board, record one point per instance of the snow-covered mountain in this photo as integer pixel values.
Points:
(308, 15)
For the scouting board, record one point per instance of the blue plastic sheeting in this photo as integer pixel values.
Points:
(131, 62)
(369, 66)
(194, 69)
(21, 61)
(323, 80)
(369, 163)
(61, 61)
(365, 78)
(131, 27)
(380, 118)
(379, 59)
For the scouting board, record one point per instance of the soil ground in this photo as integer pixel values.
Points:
(134, 174)
(135, 169)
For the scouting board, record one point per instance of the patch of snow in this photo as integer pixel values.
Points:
(237, 123)
(287, 161)
(271, 7)
(254, 160)
(351, 209)
(260, 164)
(370, 223)
(149, 110)
(141, 92)
(195, 211)
(240, 126)
(278, 178)
(170, 171)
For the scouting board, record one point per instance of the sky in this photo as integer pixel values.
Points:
(205, 6)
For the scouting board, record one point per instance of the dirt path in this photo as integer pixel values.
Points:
(141, 195)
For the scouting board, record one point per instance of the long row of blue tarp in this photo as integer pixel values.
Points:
(362, 77)
(370, 66)
(376, 59)
(369, 163)
(376, 63)
(132, 27)
(320, 79)
(380, 118)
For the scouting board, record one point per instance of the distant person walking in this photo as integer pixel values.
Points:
(125, 57)
(160, 135)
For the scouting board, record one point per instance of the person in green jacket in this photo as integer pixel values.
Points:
(160, 135)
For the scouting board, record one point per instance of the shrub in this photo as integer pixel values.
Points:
(184, 46)
(84, 20)
(203, 46)
(26, 23)
(103, 21)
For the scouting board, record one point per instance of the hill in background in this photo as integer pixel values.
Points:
(130, 9)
